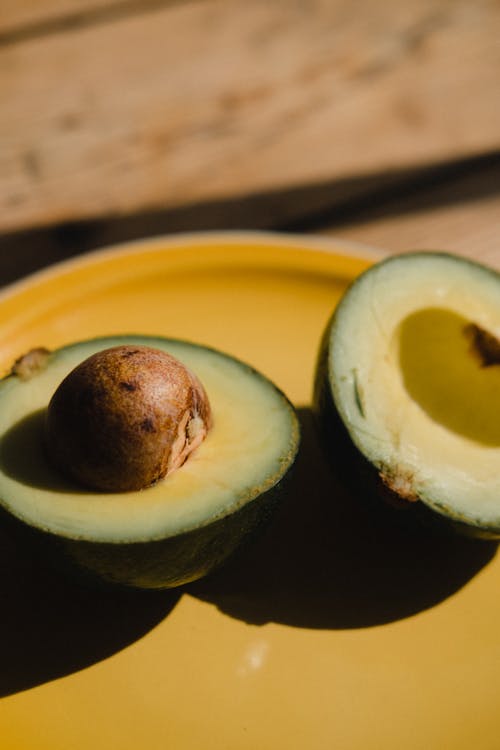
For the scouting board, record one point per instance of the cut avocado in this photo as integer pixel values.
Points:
(183, 526)
(408, 387)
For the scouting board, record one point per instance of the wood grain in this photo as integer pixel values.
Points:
(24, 20)
(469, 229)
(206, 100)
(459, 216)
(15, 14)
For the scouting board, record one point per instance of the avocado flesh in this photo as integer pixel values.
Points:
(251, 445)
(412, 361)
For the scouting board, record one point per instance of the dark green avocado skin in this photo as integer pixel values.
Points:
(361, 477)
(158, 564)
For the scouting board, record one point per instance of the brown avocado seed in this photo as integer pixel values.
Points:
(125, 418)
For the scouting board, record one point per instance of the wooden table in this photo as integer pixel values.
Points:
(122, 118)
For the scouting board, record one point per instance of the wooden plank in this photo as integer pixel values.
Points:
(206, 100)
(470, 230)
(461, 220)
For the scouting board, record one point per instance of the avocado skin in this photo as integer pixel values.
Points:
(361, 477)
(156, 564)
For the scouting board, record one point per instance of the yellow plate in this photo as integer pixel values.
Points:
(334, 631)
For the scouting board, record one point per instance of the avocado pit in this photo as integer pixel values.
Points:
(125, 418)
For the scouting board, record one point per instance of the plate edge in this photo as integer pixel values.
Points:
(307, 242)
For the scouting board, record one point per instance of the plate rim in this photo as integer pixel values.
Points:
(328, 244)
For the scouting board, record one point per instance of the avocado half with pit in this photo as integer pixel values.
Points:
(408, 388)
(182, 526)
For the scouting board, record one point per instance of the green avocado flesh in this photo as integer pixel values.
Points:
(251, 446)
(410, 369)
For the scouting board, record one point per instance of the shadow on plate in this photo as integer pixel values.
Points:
(327, 561)
(23, 458)
(50, 627)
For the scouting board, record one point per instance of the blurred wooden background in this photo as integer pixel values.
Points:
(376, 121)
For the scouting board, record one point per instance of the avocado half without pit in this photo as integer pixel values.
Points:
(140, 461)
(408, 388)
